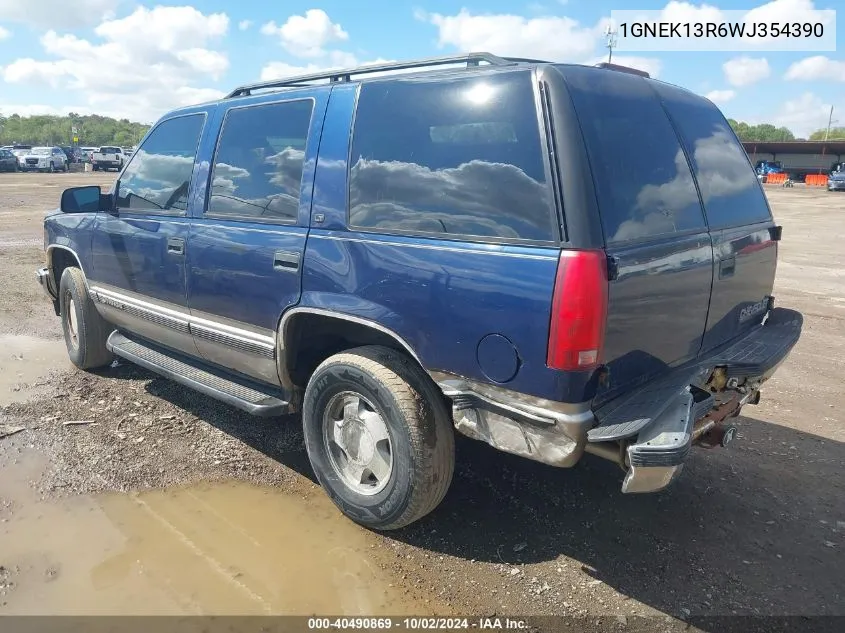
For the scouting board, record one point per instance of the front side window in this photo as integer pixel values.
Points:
(258, 165)
(159, 175)
(451, 157)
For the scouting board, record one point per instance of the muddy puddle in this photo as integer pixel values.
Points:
(25, 359)
(213, 549)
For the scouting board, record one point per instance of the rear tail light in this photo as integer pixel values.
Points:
(579, 311)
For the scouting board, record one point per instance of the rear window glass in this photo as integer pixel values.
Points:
(729, 187)
(643, 181)
(458, 157)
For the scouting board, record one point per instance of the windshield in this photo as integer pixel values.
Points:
(20, 152)
(40, 151)
(109, 150)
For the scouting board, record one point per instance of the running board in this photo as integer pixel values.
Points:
(241, 393)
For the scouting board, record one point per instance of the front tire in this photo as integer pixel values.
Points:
(379, 437)
(84, 329)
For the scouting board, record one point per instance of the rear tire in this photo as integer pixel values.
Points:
(399, 454)
(84, 329)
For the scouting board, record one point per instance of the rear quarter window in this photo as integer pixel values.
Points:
(451, 157)
(643, 181)
(729, 188)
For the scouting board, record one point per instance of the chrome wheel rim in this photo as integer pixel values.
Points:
(357, 443)
(71, 321)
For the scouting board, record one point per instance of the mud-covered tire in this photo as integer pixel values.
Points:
(418, 422)
(84, 329)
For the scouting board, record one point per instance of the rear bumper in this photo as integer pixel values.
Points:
(649, 432)
(45, 279)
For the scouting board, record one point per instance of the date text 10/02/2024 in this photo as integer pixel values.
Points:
(417, 623)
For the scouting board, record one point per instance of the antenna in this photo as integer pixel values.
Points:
(610, 41)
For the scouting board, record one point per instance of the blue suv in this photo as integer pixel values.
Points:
(553, 259)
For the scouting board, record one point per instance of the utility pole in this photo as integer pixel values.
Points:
(610, 42)
(829, 121)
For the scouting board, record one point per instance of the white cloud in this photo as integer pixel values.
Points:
(34, 109)
(789, 11)
(307, 35)
(552, 38)
(720, 96)
(816, 68)
(684, 12)
(4, 33)
(147, 63)
(744, 71)
(57, 14)
(243, 25)
(336, 60)
(803, 115)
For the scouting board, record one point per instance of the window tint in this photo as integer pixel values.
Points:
(159, 174)
(643, 181)
(258, 165)
(456, 157)
(727, 181)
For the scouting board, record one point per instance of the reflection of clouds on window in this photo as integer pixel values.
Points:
(287, 169)
(722, 164)
(476, 198)
(259, 162)
(156, 181)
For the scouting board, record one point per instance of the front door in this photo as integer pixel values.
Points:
(246, 247)
(138, 275)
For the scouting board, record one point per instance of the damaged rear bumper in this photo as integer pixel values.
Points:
(649, 432)
(45, 279)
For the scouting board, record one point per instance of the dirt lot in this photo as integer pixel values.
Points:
(195, 507)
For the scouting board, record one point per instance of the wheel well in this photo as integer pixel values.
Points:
(59, 260)
(312, 338)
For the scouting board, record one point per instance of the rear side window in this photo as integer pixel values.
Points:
(259, 160)
(643, 181)
(456, 157)
(729, 188)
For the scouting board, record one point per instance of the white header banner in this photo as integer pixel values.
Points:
(682, 27)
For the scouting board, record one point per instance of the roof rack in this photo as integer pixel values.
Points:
(623, 69)
(470, 59)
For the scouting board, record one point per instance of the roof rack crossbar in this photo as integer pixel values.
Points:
(345, 75)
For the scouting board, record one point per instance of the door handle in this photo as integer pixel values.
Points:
(176, 245)
(727, 267)
(286, 260)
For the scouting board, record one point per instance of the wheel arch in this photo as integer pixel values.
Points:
(60, 257)
(307, 336)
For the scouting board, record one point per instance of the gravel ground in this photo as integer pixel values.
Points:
(756, 529)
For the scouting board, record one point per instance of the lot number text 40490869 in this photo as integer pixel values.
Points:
(417, 623)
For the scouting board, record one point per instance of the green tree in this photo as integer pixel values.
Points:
(761, 132)
(836, 133)
(93, 130)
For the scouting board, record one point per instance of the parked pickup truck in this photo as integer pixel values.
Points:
(558, 260)
(108, 158)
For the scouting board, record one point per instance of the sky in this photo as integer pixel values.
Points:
(138, 60)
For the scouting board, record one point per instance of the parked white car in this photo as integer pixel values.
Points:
(111, 157)
(44, 159)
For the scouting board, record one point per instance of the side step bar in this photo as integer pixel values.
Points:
(259, 400)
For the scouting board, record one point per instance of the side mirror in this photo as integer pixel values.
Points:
(81, 199)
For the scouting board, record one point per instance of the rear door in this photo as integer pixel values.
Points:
(244, 261)
(737, 212)
(654, 227)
